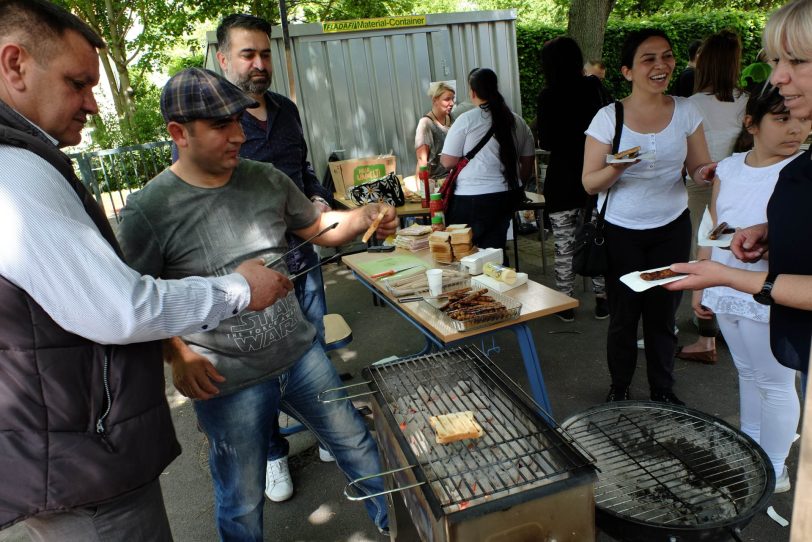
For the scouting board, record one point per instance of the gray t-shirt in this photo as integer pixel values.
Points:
(171, 229)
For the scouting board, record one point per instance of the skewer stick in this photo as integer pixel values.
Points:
(374, 225)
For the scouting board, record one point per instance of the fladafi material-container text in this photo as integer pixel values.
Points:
(380, 23)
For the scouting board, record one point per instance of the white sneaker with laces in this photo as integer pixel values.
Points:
(278, 484)
(325, 456)
(782, 484)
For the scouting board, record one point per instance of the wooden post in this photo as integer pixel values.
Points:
(802, 508)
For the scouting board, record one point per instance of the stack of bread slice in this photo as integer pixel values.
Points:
(451, 245)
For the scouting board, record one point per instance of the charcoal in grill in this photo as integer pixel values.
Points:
(669, 472)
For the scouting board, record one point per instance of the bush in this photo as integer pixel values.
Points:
(681, 29)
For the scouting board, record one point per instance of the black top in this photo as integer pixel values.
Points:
(685, 84)
(791, 253)
(564, 114)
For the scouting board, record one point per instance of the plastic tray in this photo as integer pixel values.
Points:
(513, 307)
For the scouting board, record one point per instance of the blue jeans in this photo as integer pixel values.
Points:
(310, 294)
(238, 424)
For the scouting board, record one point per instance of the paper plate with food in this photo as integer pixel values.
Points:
(628, 156)
(709, 235)
(640, 281)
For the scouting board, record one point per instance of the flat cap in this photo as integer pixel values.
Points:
(195, 93)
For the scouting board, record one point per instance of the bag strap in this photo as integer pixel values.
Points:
(615, 147)
(479, 145)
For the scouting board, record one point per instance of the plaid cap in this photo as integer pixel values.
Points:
(196, 93)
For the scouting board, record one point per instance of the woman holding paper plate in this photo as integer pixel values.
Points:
(647, 219)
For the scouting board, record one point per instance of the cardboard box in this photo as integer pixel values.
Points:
(348, 173)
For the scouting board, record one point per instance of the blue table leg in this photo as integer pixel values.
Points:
(532, 366)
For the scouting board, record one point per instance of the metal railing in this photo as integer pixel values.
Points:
(112, 174)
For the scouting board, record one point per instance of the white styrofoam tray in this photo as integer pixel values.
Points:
(705, 227)
(633, 280)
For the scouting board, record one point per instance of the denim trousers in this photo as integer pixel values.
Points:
(238, 424)
(310, 294)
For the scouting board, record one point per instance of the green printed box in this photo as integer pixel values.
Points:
(348, 173)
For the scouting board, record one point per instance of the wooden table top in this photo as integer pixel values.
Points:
(537, 300)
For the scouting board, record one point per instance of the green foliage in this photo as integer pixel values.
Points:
(636, 9)
(681, 29)
(178, 63)
(148, 122)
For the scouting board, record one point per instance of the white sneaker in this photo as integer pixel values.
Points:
(278, 485)
(641, 344)
(782, 484)
(325, 456)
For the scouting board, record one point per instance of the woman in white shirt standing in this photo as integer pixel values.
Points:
(647, 219)
(481, 197)
(769, 408)
(721, 103)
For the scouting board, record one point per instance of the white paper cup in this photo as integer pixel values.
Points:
(435, 277)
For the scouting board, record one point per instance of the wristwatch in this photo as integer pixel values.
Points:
(765, 295)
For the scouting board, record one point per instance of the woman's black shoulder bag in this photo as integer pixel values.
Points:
(590, 258)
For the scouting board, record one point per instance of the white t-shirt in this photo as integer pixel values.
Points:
(483, 174)
(650, 193)
(722, 122)
(742, 201)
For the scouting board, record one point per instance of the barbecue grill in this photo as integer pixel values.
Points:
(523, 480)
(671, 473)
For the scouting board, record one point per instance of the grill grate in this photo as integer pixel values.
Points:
(518, 450)
(662, 465)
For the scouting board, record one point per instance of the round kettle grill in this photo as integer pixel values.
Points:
(671, 473)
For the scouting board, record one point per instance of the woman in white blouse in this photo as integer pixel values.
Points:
(647, 219)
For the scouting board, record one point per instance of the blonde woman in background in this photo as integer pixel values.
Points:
(721, 102)
(432, 129)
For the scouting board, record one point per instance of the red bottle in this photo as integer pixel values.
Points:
(423, 175)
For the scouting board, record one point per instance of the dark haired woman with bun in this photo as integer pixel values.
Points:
(481, 197)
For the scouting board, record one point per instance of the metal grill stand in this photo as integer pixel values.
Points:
(524, 473)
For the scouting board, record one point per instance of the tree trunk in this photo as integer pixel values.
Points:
(587, 25)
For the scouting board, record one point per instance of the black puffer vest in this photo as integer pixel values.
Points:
(80, 423)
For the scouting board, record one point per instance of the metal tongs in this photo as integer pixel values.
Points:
(280, 258)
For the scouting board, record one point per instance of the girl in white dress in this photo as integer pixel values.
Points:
(769, 408)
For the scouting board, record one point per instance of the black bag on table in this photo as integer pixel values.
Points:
(386, 189)
(591, 258)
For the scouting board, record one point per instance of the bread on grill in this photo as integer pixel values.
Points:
(455, 426)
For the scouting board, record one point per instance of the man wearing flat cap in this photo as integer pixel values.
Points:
(206, 212)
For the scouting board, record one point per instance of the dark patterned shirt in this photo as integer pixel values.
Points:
(280, 141)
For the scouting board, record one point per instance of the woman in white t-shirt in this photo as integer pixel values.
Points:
(481, 197)
(721, 103)
(647, 219)
(769, 408)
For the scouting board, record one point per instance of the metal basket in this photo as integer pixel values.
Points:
(513, 308)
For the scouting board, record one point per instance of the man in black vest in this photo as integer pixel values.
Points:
(85, 428)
